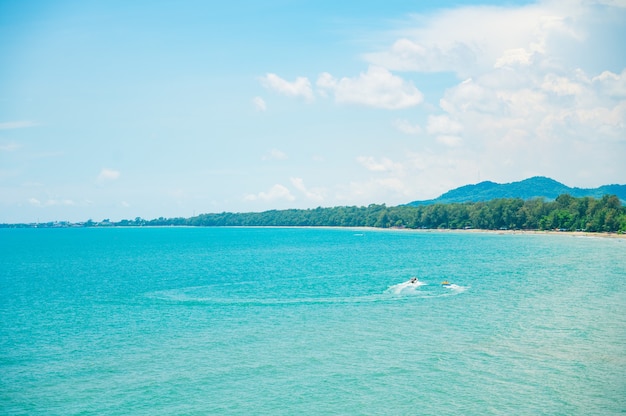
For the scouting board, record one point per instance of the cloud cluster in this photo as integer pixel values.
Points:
(301, 87)
(373, 164)
(311, 194)
(275, 193)
(51, 202)
(406, 127)
(540, 90)
(530, 100)
(281, 193)
(377, 87)
(469, 40)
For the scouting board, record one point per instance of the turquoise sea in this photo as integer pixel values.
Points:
(288, 321)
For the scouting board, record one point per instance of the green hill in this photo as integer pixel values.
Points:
(535, 187)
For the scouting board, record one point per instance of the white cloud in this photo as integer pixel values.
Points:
(301, 87)
(375, 88)
(561, 85)
(406, 127)
(107, 175)
(449, 140)
(419, 175)
(407, 55)
(468, 40)
(611, 84)
(259, 104)
(470, 95)
(396, 187)
(512, 57)
(614, 3)
(9, 147)
(536, 125)
(382, 165)
(443, 125)
(275, 154)
(51, 202)
(314, 194)
(8, 125)
(275, 193)
(549, 107)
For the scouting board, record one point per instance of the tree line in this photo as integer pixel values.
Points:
(565, 213)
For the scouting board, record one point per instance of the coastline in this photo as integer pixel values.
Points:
(365, 228)
(521, 232)
(455, 230)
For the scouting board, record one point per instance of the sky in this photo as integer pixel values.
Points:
(117, 109)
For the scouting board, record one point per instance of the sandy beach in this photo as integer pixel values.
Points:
(544, 232)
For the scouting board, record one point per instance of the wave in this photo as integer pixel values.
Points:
(214, 295)
(410, 288)
(405, 288)
(456, 288)
(207, 295)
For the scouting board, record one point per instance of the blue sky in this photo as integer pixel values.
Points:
(117, 109)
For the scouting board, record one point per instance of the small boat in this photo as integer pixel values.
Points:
(445, 283)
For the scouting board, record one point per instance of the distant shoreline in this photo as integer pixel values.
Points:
(511, 232)
(589, 234)
(469, 230)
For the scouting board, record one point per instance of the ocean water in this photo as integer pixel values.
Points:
(206, 321)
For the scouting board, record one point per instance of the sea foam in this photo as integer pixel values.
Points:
(405, 288)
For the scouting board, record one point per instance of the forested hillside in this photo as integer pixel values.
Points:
(535, 187)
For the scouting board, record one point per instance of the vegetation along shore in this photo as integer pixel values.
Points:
(565, 213)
